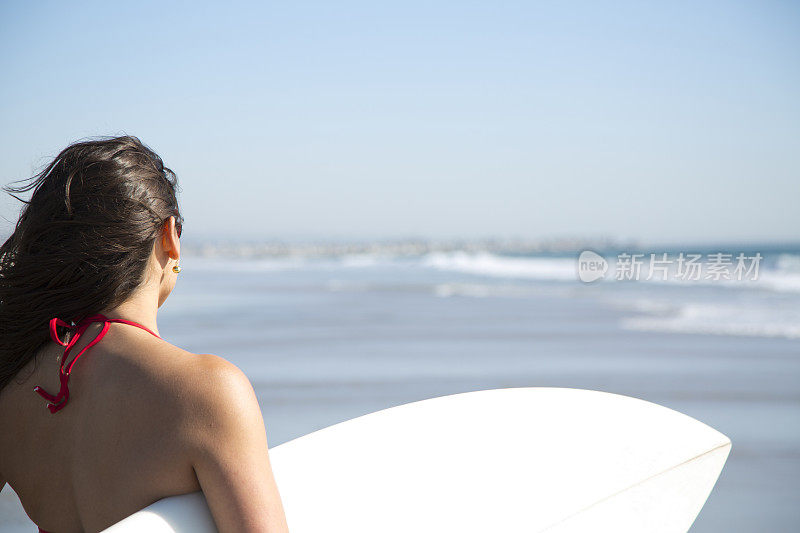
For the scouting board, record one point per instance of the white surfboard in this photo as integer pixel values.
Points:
(505, 460)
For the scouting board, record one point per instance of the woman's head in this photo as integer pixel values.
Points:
(84, 241)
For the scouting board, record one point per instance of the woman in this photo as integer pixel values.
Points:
(94, 430)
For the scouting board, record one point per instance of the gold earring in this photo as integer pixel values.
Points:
(176, 268)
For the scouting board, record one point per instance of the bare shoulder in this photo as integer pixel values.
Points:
(207, 392)
(223, 405)
(170, 385)
(173, 377)
(222, 378)
(211, 385)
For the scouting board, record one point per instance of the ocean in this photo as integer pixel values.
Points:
(325, 338)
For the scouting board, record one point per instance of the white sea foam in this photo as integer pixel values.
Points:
(752, 319)
(487, 264)
(479, 290)
(782, 276)
(789, 263)
(362, 260)
(779, 282)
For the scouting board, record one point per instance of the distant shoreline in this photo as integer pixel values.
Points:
(415, 247)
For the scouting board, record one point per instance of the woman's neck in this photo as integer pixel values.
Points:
(140, 307)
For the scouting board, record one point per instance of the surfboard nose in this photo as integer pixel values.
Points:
(520, 459)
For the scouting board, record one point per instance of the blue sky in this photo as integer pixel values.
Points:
(663, 122)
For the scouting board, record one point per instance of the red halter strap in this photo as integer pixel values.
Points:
(58, 401)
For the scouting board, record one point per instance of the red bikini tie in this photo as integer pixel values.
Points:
(58, 401)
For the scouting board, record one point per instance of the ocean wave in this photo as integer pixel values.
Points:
(752, 320)
(363, 260)
(789, 263)
(782, 275)
(479, 290)
(779, 282)
(487, 264)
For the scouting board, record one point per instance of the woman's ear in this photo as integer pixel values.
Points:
(170, 242)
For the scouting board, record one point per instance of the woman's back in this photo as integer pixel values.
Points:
(122, 441)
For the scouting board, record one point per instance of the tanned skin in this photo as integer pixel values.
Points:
(145, 420)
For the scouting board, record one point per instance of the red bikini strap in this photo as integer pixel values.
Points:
(74, 340)
(123, 321)
(57, 402)
(53, 333)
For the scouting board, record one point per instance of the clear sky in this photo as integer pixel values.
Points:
(658, 121)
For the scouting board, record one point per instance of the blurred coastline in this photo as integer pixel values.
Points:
(258, 248)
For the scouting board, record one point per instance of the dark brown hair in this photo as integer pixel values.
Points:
(82, 241)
